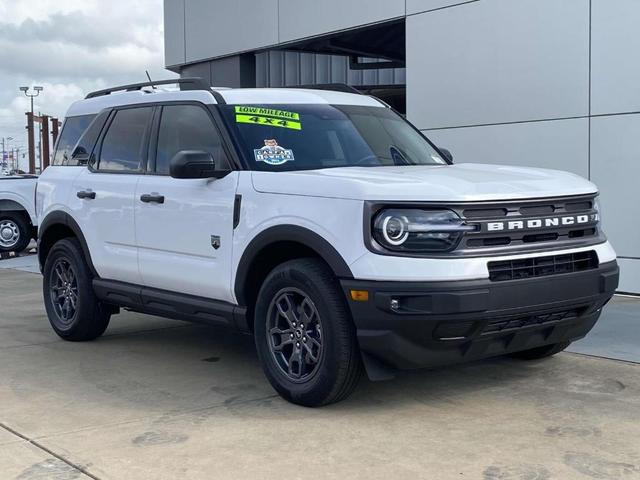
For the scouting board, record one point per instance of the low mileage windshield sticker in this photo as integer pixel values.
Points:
(272, 153)
(269, 117)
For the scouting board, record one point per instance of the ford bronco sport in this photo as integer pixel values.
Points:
(322, 223)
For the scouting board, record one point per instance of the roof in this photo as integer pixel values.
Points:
(245, 96)
(234, 96)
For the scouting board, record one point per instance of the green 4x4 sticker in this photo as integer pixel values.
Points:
(268, 117)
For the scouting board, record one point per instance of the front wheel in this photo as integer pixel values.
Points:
(72, 307)
(304, 335)
(541, 352)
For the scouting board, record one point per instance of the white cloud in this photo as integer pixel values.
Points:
(71, 47)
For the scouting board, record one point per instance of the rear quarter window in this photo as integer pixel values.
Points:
(72, 129)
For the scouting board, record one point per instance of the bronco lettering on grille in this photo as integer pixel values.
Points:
(534, 223)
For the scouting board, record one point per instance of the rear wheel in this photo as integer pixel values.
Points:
(72, 307)
(304, 335)
(541, 352)
(14, 232)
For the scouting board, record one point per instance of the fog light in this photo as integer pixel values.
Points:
(395, 305)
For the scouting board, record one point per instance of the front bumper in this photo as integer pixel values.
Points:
(437, 323)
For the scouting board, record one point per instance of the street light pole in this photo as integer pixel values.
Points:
(37, 91)
(30, 122)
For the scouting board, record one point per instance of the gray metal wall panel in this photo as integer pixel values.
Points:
(174, 32)
(202, 70)
(307, 68)
(629, 275)
(557, 144)
(292, 68)
(306, 18)
(278, 68)
(497, 61)
(615, 168)
(262, 71)
(417, 6)
(226, 27)
(615, 70)
(322, 69)
(339, 67)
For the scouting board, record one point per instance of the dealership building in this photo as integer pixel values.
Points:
(545, 83)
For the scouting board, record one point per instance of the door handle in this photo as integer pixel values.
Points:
(86, 194)
(152, 198)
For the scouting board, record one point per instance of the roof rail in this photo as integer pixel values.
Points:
(186, 83)
(336, 87)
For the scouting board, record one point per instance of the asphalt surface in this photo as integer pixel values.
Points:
(160, 399)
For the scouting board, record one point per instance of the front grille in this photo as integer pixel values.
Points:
(542, 266)
(533, 233)
(513, 323)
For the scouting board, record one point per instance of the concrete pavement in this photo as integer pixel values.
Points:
(159, 399)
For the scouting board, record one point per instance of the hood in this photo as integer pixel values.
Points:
(460, 182)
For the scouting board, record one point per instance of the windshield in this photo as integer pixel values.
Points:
(305, 137)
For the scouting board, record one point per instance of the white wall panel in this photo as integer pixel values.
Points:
(615, 70)
(497, 61)
(615, 168)
(558, 144)
(306, 18)
(216, 28)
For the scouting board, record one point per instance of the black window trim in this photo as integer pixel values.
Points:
(236, 162)
(94, 166)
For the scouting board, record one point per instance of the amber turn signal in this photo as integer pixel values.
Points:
(360, 295)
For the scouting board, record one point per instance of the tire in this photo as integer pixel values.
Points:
(541, 352)
(72, 307)
(307, 291)
(14, 232)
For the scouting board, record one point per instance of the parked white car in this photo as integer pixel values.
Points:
(321, 222)
(18, 223)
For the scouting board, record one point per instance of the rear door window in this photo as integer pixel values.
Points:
(72, 130)
(125, 144)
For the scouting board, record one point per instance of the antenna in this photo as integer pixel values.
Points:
(150, 81)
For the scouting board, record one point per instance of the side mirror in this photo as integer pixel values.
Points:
(194, 164)
(79, 151)
(446, 153)
(80, 156)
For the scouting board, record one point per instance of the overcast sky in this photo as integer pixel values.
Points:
(71, 47)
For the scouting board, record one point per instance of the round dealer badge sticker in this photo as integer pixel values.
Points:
(272, 153)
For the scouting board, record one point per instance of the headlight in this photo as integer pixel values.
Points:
(598, 208)
(417, 231)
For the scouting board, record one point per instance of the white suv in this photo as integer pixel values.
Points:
(322, 223)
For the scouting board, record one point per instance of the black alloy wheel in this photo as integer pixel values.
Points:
(63, 289)
(295, 334)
